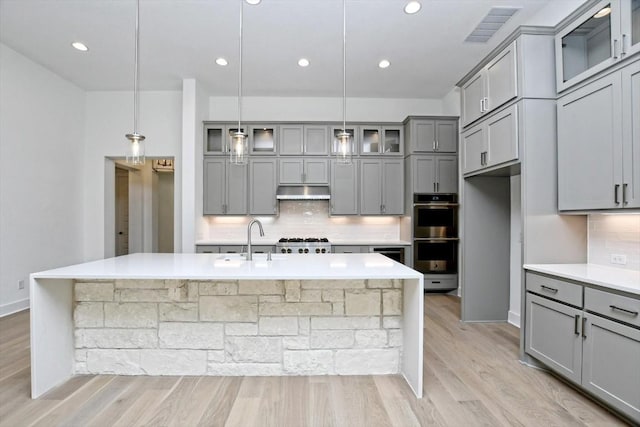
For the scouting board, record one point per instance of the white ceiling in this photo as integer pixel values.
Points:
(181, 39)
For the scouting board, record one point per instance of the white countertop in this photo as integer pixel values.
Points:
(221, 266)
(599, 275)
(256, 241)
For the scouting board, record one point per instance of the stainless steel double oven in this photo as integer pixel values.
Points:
(435, 239)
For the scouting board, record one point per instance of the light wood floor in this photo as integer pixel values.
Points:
(472, 378)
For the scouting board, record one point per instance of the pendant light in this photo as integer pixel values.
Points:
(238, 149)
(345, 140)
(135, 152)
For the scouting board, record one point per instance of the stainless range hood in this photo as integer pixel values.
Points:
(303, 192)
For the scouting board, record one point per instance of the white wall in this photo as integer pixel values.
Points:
(451, 103)
(554, 12)
(41, 137)
(109, 116)
(614, 234)
(321, 109)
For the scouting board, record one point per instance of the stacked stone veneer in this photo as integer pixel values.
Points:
(286, 327)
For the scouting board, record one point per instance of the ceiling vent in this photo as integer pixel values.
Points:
(490, 24)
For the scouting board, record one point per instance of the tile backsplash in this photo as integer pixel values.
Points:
(303, 219)
(615, 235)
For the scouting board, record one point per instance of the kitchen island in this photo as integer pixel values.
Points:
(212, 314)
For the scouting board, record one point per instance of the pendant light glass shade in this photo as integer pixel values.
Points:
(135, 151)
(238, 146)
(345, 139)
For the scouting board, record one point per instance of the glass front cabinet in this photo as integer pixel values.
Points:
(385, 140)
(605, 34)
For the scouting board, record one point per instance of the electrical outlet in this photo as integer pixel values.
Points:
(618, 259)
(20, 284)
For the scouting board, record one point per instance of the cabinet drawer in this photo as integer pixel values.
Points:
(440, 284)
(207, 249)
(559, 290)
(614, 306)
(350, 249)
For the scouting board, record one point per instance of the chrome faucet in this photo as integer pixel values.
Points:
(253, 221)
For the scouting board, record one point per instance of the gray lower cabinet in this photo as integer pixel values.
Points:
(434, 174)
(225, 187)
(595, 343)
(381, 187)
(553, 335)
(344, 188)
(304, 171)
(233, 249)
(349, 249)
(262, 186)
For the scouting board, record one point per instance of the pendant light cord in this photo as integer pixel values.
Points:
(344, 65)
(136, 71)
(240, 68)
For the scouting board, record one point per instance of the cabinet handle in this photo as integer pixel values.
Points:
(624, 310)
(304, 177)
(624, 194)
(576, 324)
(434, 145)
(624, 49)
(584, 327)
(482, 105)
(437, 187)
(437, 145)
(615, 49)
(615, 194)
(549, 289)
(482, 159)
(434, 187)
(486, 104)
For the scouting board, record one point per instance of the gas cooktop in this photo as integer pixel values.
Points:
(308, 245)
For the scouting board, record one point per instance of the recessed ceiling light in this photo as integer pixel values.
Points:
(412, 7)
(603, 12)
(221, 61)
(254, 2)
(80, 46)
(303, 62)
(384, 63)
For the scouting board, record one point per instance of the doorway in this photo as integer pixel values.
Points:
(139, 207)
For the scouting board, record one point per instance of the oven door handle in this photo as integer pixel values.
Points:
(436, 239)
(438, 205)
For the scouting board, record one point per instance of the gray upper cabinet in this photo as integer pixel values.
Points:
(491, 87)
(353, 130)
(262, 139)
(344, 188)
(431, 135)
(434, 174)
(599, 143)
(215, 139)
(262, 186)
(492, 142)
(376, 140)
(597, 40)
(225, 187)
(304, 171)
(381, 187)
(297, 139)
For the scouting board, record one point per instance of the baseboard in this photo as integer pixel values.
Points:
(514, 319)
(14, 307)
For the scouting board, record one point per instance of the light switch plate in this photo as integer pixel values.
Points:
(618, 259)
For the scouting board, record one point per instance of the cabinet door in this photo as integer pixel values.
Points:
(215, 139)
(589, 145)
(501, 78)
(262, 139)
(344, 188)
(214, 186)
(316, 140)
(291, 171)
(424, 174)
(291, 139)
(236, 189)
(552, 335)
(446, 136)
(262, 194)
(473, 147)
(630, 14)
(370, 140)
(393, 187)
(392, 140)
(447, 174)
(611, 357)
(352, 130)
(502, 137)
(316, 171)
(423, 136)
(472, 99)
(631, 130)
(370, 187)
